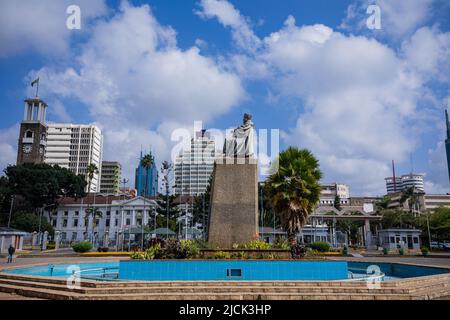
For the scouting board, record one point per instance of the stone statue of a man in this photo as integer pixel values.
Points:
(241, 143)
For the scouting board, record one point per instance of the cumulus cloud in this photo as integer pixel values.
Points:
(133, 78)
(399, 18)
(359, 97)
(8, 146)
(41, 25)
(229, 16)
(428, 53)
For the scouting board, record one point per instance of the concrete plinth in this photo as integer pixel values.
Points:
(234, 203)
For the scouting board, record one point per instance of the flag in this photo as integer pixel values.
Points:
(36, 81)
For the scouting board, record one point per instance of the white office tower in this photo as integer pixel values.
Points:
(75, 146)
(194, 167)
(406, 181)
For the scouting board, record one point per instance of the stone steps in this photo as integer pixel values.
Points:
(248, 288)
(56, 288)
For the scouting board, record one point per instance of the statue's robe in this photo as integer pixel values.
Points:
(241, 144)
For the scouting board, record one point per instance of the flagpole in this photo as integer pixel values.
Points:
(37, 88)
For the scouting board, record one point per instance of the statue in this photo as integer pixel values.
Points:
(241, 143)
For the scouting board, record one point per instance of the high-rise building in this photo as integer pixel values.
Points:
(414, 180)
(194, 167)
(141, 179)
(110, 177)
(33, 132)
(447, 143)
(75, 146)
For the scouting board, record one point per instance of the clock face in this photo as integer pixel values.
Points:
(27, 148)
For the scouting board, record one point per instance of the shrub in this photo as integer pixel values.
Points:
(137, 256)
(221, 255)
(257, 245)
(51, 246)
(424, 251)
(281, 243)
(189, 248)
(401, 251)
(81, 247)
(102, 249)
(344, 251)
(298, 251)
(385, 251)
(321, 246)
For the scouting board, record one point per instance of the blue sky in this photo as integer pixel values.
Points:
(356, 97)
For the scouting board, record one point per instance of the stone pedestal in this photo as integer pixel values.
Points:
(234, 202)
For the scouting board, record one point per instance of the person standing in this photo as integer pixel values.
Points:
(11, 251)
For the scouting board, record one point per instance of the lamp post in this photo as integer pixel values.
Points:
(120, 227)
(166, 168)
(10, 210)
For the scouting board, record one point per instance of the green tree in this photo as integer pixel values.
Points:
(337, 202)
(166, 204)
(294, 189)
(41, 185)
(410, 195)
(201, 207)
(439, 220)
(393, 218)
(29, 222)
(350, 228)
(382, 204)
(94, 213)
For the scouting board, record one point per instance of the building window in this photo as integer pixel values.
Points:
(77, 213)
(116, 223)
(392, 240)
(28, 134)
(128, 221)
(75, 222)
(416, 240)
(108, 213)
(74, 236)
(64, 224)
(66, 213)
(107, 222)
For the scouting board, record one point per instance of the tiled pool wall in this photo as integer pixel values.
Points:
(232, 270)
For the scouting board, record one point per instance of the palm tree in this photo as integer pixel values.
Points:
(146, 163)
(91, 170)
(411, 195)
(94, 213)
(294, 190)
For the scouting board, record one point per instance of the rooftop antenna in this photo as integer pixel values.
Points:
(393, 176)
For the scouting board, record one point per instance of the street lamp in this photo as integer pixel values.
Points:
(166, 168)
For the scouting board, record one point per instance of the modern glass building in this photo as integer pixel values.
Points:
(141, 179)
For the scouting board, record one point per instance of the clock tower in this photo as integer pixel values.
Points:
(33, 132)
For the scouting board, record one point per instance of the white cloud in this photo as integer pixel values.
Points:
(136, 83)
(359, 96)
(399, 18)
(427, 52)
(8, 146)
(229, 16)
(41, 25)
